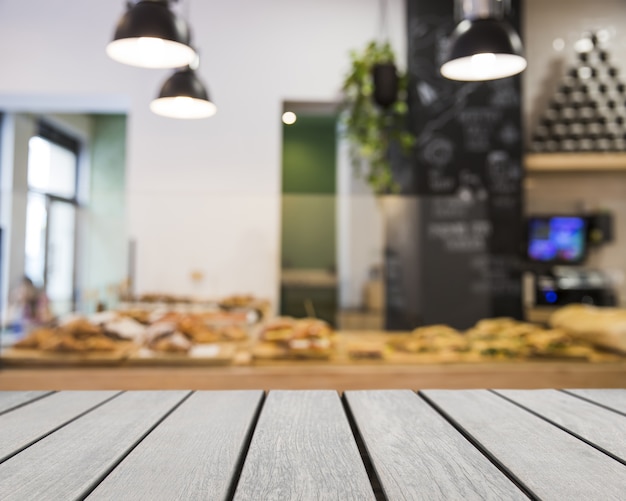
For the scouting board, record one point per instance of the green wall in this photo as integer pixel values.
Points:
(108, 160)
(309, 151)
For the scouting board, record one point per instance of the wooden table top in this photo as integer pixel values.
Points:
(313, 444)
(314, 376)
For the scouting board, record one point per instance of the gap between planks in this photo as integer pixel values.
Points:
(123, 456)
(365, 457)
(245, 448)
(484, 451)
(57, 428)
(563, 428)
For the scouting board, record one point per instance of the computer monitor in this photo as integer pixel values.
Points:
(557, 239)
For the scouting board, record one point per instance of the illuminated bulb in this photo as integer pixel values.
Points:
(483, 62)
(183, 107)
(151, 44)
(558, 44)
(485, 66)
(289, 118)
(148, 52)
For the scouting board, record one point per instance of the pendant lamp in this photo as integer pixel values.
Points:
(183, 95)
(483, 46)
(150, 35)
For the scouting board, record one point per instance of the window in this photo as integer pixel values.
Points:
(51, 216)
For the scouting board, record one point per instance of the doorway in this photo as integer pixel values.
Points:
(308, 211)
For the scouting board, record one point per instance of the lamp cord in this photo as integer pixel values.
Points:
(383, 29)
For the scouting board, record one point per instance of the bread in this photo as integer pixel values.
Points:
(604, 327)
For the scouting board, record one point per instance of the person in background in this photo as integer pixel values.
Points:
(28, 307)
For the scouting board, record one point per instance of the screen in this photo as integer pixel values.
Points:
(557, 239)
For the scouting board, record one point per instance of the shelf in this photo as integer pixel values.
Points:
(575, 162)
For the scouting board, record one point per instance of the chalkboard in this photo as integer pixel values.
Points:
(468, 181)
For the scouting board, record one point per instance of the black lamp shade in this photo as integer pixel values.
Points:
(150, 35)
(385, 78)
(183, 95)
(483, 49)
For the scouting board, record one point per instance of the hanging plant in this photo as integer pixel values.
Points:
(375, 111)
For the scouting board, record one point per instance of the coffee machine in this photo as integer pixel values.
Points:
(564, 285)
(557, 248)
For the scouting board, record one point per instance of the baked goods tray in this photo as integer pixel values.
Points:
(130, 355)
(14, 357)
(199, 355)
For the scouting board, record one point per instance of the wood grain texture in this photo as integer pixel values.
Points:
(25, 425)
(601, 427)
(612, 398)
(572, 162)
(300, 376)
(193, 454)
(303, 448)
(68, 463)
(11, 399)
(550, 462)
(417, 454)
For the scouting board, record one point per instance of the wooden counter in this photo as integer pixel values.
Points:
(311, 375)
(241, 371)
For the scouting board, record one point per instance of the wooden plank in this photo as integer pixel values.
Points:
(303, 448)
(572, 162)
(70, 462)
(612, 398)
(320, 376)
(193, 454)
(26, 425)
(417, 454)
(550, 462)
(12, 399)
(603, 428)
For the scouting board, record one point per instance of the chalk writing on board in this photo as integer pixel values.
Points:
(494, 275)
(510, 134)
(461, 236)
(504, 94)
(448, 208)
(503, 175)
(477, 125)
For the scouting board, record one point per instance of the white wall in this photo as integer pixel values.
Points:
(360, 231)
(202, 195)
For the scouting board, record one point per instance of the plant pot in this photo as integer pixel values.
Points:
(385, 77)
